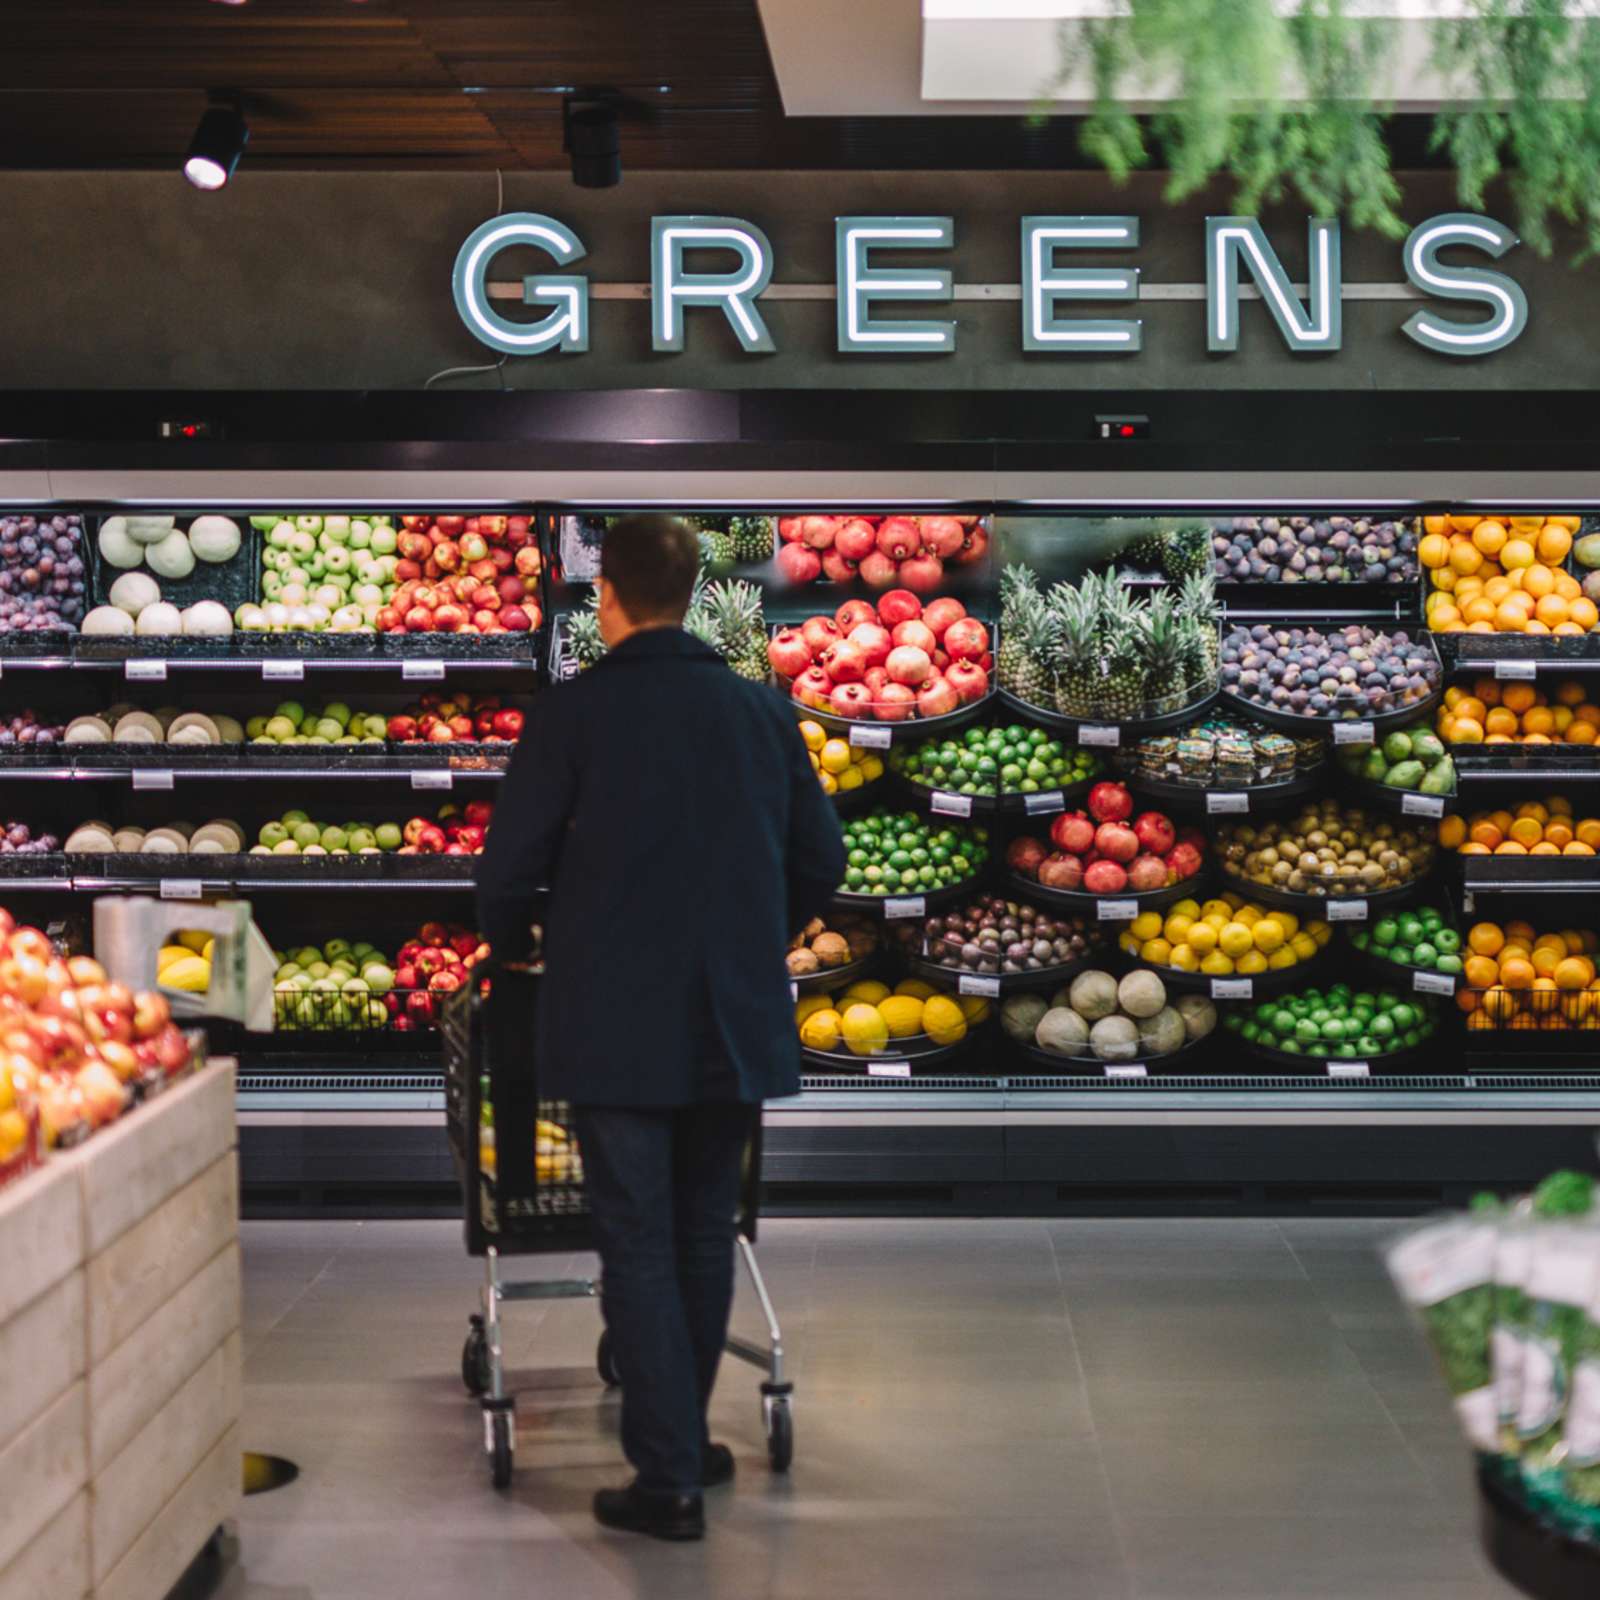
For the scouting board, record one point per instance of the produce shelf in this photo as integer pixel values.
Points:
(1176, 796)
(1309, 727)
(94, 659)
(947, 803)
(225, 763)
(1407, 802)
(903, 1059)
(1528, 1547)
(833, 977)
(1423, 1055)
(1314, 970)
(1550, 763)
(1401, 975)
(1049, 1061)
(1009, 982)
(930, 898)
(847, 802)
(1546, 875)
(1089, 904)
(1316, 905)
(1478, 652)
(897, 732)
(1129, 727)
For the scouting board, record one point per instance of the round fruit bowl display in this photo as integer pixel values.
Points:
(1176, 794)
(832, 951)
(847, 772)
(1102, 1021)
(1336, 1024)
(891, 551)
(1416, 947)
(897, 855)
(1248, 765)
(994, 769)
(877, 669)
(1410, 761)
(1147, 720)
(1302, 679)
(1325, 852)
(868, 1022)
(993, 945)
(1228, 947)
(1106, 851)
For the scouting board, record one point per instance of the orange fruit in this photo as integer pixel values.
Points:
(1503, 819)
(1559, 804)
(1434, 549)
(1578, 848)
(1567, 586)
(1465, 557)
(1509, 618)
(1463, 522)
(1536, 626)
(1568, 630)
(1519, 697)
(1486, 834)
(1477, 609)
(1538, 581)
(1535, 809)
(1538, 719)
(1575, 972)
(1485, 938)
(1463, 730)
(1558, 834)
(1563, 717)
(1488, 690)
(1569, 692)
(1472, 848)
(1552, 544)
(1501, 721)
(1583, 611)
(1545, 962)
(1527, 831)
(1443, 578)
(1436, 525)
(1480, 971)
(1570, 523)
(1581, 731)
(1516, 553)
(1498, 1003)
(1517, 973)
(1510, 847)
(1522, 932)
(1552, 609)
(1470, 707)
(1489, 535)
(1452, 831)
(1588, 832)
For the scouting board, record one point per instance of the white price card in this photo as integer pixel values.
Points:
(433, 778)
(1346, 910)
(1232, 989)
(143, 671)
(865, 738)
(283, 671)
(950, 805)
(1422, 805)
(1102, 733)
(794, 990)
(1524, 671)
(419, 669)
(1433, 983)
(1044, 802)
(1116, 910)
(1352, 733)
(1219, 804)
(180, 888)
(900, 908)
(1136, 1069)
(152, 778)
(888, 1069)
(1349, 1069)
(978, 984)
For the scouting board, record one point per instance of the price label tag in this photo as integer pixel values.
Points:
(1352, 733)
(433, 778)
(144, 671)
(1047, 800)
(2, 669)
(1524, 671)
(1433, 983)
(1224, 805)
(151, 778)
(951, 805)
(865, 738)
(180, 888)
(1347, 910)
(1232, 989)
(421, 670)
(1349, 1069)
(976, 983)
(900, 908)
(1116, 910)
(1100, 733)
(888, 1069)
(1136, 1069)
(283, 671)
(1422, 805)
(794, 990)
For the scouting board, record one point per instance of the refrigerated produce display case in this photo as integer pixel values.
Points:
(1214, 839)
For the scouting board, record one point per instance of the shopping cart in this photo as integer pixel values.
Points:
(516, 1206)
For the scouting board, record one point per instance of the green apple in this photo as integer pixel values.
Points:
(335, 839)
(302, 543)
(281, 534)
(291, 819)
(255, 727)
(348, 739)
(271, 586)
(308, 524)
(292, 709)
(313, 850)
(360, 534)
(354, 986)
(335, 529)
(336, 559)
(286, 847)
(306, 954)
(362, 839)
(380, 978)
(334, 948)
(318, 969)
(266, 522)
(301, 982)
(306, 834)
(319, 739)
(329, 728)
(373, 739)
(279, 729)
(362, 948)
(339, 711)
(389, 836)
(384, 540)
(374, 727)
(285, 972)
(272, 835)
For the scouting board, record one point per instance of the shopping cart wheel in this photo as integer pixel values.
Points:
(501, 1424)
(475, 1359)
(605, 1363)
(780, 1433)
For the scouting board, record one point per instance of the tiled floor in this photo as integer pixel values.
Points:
(1206, 1410)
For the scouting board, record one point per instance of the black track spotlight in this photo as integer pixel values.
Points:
(590, 137)
(218, 143)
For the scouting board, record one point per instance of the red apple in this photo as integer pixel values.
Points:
(431, 840)
(479, 812)
(449, 617)
(408, 571)
(968, 679)
(402, 729)
(485, 571)
(511, 589)
(516, 619)
(419, 1006)
(788, 653)
(419, 620)
(873, 641)
(528, 561)
(483, 620)
(936, 698)
(855, 539)
(820, 634)
(918, 633)
(411, 832)
(447, 557)
(474, 547)
(799, 564)
(909, 665)
(507, 724)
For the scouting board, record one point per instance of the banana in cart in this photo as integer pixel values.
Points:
(555, 1156)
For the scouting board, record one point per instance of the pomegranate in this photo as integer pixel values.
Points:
(818, 532)
(844, 662)
(1155, 832)
(852, 614)
(1105, 877)
(850, 700)
(898, 606)
(874, 641)
(1059, 871)
(788, 653)
(1116, 840)
(789, 529)
(940, 613)
(968, 679)
(909, 665)
(813, 688)
(922, 573)
(820, 634)
(856, 538)
(1183, 860)
(836, 569)
(966, 639)
(894, 702)
(877, 680)
(975, 548)
(1072, 831)
(1110, 802)
(877, 571)
(1024, 855)
(942, 536)
(916, 632)
(1147, 872)
(799, 564)
(936, 697)
(898, 538)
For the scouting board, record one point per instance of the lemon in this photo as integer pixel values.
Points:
(1184, 958)
(1202, 939)
(809, 1003)
(1232, 897)
(942, 1020)
(902, 1015)
(1127, 942)
(1286, 920)
(169, 953)
(811, 756)
(821, 1030)
(1251, 962)
(1217, 964)
(834, 755)
(1268, 936)
(1176, 928)
(1234, 940)
(974, 1008)
(1157, 952)
(830, 784)
(1320, 933)
(916, 988)
(1248, 915)
(864, 1030)
(1145, 926)
(194, 939)
(814, 734)
(850, 778)
(858, 754)
(866, 991)
(1304, 946)
(1185, 908)
(872, 767)
(1217, 907)
(1282, 957)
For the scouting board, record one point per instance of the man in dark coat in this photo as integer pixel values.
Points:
(670, 808)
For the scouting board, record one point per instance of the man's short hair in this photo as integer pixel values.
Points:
(651, 563)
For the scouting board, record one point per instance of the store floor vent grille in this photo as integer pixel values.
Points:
(1263, 1085)
(926, 1085)
(342, 1082)
(1539, 1080)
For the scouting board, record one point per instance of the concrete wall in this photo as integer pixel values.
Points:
(131, 280)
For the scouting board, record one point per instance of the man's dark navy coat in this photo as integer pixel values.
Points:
(671, 810)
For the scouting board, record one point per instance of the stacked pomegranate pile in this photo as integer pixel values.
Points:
(464, 575)
(73, 1045)
(436, 963)
(899, 660)
(913, 551)
(1107, 849)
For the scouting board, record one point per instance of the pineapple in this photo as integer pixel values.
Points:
(1197, 606)
(1144, 552)
(1035, 679)
(1017, 583)
(1123, 629)
(1163, 646)
(716, 551)
(752, 538)
(1076, 646)
(584, 644)
(740, 629)
(1186, 552)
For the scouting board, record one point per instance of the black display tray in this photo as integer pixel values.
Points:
(387, 867)
(1459, 650)
(43, 864)
(1176, 796)
(1289, 1061)
(309, 646)
(58, 642)
(1052, 1063)
(1491, 874)
(910, 728)
(1309, 727)
(1132, 727)
(1527, 1548)
(919, 1061)
(1402, 976)
(846, 901)
(1010, 982)
(1273, 981)
(1088, 904)
(1553, 763)
(1313, 905)
(847, 802)
(991, 805)
(1366, 792)
(833, 977)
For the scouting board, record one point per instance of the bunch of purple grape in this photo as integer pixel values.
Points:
(18, 839)
(42, 574)
(27, 730)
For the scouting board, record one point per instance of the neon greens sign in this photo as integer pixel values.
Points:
(723, 265)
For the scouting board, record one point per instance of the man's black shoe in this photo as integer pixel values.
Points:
(662, 1516)
(716, 1466)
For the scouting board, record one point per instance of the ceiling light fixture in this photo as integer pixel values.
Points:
(590, 135)
(218, 143)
